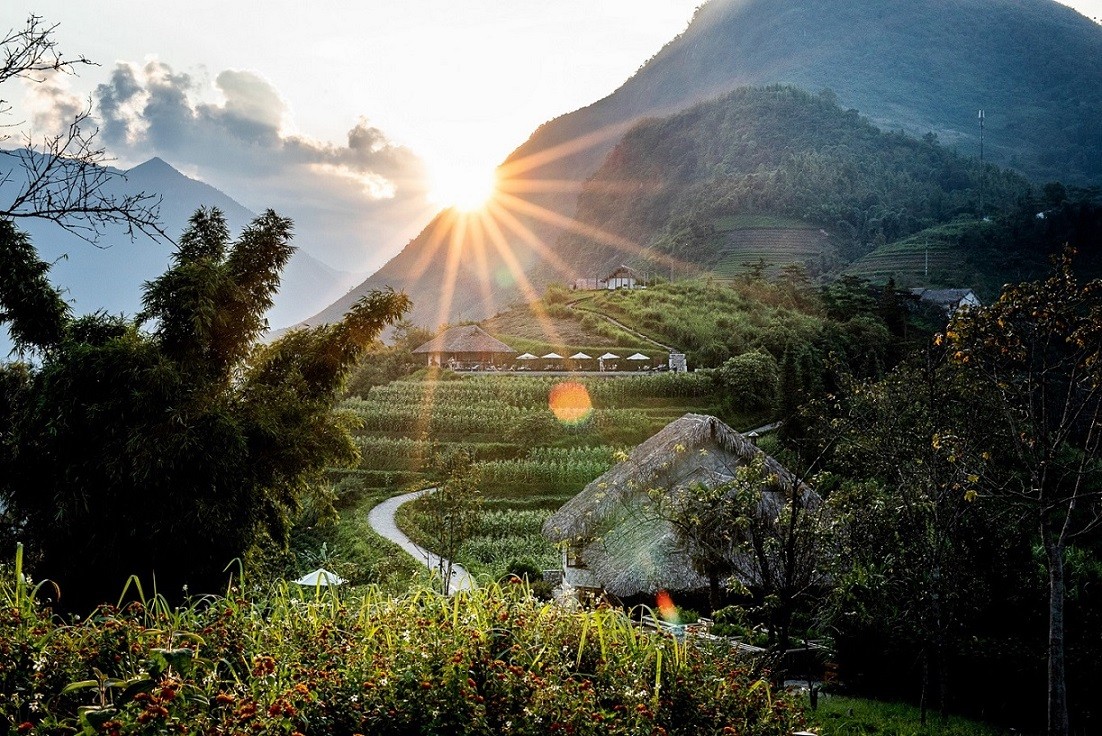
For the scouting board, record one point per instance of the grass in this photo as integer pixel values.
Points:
(289, 660)
(932, 257)
(842, 716)
(531, 463)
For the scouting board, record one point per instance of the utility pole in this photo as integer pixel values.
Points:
(927, 272)
(981, 135)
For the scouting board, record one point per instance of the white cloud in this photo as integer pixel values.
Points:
(355, 204)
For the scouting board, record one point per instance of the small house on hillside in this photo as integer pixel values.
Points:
(615, 537)
(466, 346)
(622, 278)
(949, 300)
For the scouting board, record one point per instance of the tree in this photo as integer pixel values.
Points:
(451, 513)
(912, 533)
(748, 382)
(172, 443)
(1038, 352)
(759, 533)
(61, 176)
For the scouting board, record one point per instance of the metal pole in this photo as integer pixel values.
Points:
(981, 135)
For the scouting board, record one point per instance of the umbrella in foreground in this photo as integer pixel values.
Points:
(321, 576)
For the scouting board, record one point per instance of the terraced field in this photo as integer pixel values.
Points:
(532, 452)
(928, 258)
(743, 248)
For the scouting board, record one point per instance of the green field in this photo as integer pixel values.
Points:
(930, 258)
(743, 248)
(530, 461)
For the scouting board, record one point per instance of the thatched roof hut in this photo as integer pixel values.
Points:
(626, 543)
(466, 344)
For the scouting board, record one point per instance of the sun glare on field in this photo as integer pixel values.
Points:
(465, 188)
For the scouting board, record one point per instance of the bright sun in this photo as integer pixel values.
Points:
(466, 188)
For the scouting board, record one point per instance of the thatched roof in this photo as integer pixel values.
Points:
(465, 339)
(628, 545)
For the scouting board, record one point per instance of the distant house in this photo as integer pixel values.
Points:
(622, 278)
(949, 300)
(466, 346)
(613, 536)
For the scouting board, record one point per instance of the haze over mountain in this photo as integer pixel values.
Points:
(109, 274)
(1033, 66)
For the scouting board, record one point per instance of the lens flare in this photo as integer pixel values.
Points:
(666, 609)
(570, 403)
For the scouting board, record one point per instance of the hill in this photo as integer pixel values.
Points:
(701, 179)
(1034, 66)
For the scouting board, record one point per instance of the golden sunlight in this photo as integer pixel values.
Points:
(464, 187)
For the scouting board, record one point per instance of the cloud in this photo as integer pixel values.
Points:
(355, 203)
(52, 106)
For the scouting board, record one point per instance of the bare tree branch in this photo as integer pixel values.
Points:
(63, 177)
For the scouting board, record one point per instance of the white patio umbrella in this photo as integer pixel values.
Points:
(321, 577)
(638, 356)
(527, 356)
(580, 356)
(552, 356)
(609, 356)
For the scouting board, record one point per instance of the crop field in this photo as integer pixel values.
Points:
(531, 453)
(929, 258)
(744, 248)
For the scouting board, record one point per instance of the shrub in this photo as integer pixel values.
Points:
(491, 661)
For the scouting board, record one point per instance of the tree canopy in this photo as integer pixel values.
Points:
(172, 443)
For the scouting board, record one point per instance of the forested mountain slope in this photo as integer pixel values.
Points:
(775, 151)
(1033, 66)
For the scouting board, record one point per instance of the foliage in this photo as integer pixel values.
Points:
(125, 447)
(382, 363)
(749, 381)
(1038, 352)
(492, 661)
(778, 151)
(757, 534)
(450, 512)
(919, 553)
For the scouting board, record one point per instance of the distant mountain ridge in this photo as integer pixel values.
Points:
(1034, 66)
(109, 274)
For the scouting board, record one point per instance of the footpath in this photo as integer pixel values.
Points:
(381, 519)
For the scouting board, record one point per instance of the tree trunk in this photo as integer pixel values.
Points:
(922, 704)
(713, 591)
(1057, 672)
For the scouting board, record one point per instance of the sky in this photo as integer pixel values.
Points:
(359, 119)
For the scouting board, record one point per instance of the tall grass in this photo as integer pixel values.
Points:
(491, 661)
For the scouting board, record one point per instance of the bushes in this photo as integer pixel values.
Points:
(494, 661)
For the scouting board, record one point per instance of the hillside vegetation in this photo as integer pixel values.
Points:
(776, 151)
(1034, 66)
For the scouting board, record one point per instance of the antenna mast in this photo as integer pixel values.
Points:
(981, 135)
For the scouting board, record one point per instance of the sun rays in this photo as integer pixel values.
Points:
(483, 253)
(496, 246)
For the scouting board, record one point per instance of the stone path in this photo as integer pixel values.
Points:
(382, 521)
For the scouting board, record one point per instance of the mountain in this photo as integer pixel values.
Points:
(109, 274)
(921, 66)
(700, 177)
